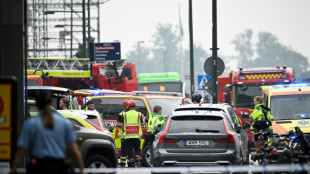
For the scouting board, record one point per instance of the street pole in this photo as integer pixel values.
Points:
(214, 51)
(84, 30)
(71, 29)
(88, 19)
(191, 47)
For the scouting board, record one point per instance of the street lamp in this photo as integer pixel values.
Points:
(139, 61)
(84, 24)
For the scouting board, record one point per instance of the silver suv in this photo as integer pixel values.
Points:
(201, 134)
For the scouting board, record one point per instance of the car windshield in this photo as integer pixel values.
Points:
(245, 95)
(196, 124)
(167, 104)
(290, 107)
(161, 86)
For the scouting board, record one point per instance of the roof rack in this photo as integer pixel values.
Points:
(156, 93)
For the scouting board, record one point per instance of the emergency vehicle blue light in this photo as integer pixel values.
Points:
(96, 92)
(303, 115)
(293, 137)
(295, 85)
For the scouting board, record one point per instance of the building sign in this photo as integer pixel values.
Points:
(99, 52)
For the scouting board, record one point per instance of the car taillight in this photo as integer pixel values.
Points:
(162, 137)
(231, 138)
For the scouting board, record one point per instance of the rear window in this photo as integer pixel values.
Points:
(111, 107)
(212, 124)
(93, 120)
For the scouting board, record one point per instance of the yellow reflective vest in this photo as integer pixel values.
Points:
(132, 124)
(121, 132)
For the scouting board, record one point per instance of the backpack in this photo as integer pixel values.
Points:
(264, 123)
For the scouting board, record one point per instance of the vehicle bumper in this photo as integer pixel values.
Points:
(196, 159)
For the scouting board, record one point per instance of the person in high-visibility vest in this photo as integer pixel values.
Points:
(121, 135)
(131, 123)
(154, 120)
(261, 119)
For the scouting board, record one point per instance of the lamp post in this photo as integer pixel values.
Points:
(84, 24)
(139, 61)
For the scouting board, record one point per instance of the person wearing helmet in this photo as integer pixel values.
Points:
(131, 122)
(121, 135)
(196, 98)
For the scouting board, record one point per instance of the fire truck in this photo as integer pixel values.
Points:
(79, 73)
(244, 84)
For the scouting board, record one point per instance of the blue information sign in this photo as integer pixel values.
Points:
(105, 51)
(202, 79)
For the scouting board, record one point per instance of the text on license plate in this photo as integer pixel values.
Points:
(196, 142)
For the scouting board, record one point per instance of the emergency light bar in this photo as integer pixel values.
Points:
(156, 93)
(295, 85)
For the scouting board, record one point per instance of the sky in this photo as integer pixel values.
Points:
(131, 21)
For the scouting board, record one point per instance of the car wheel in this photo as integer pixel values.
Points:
(146, 157)
(97, 162)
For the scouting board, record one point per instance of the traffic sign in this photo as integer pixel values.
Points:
(208, 66)
(104, 51)
(202, 80)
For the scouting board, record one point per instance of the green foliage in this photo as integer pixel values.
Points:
(79, 53)
(270, 53)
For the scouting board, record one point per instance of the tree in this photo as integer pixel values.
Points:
(79, 53)
(243, 45)
(270, 53)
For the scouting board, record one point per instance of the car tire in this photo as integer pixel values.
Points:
(146, 156)
(97, 162)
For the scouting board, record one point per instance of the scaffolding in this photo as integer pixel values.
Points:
(55, 27)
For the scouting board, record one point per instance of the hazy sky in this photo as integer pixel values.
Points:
(130, 21)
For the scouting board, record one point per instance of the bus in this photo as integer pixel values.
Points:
(163, 82)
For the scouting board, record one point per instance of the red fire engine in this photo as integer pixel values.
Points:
(242, 85)
(76, 73)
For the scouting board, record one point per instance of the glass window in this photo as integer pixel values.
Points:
(196, 123)
(32, 83)
(161, 86)
(93, 119)
(75, 122)
(245, 95)
(290, 107)
(167, 104)
(111, 107)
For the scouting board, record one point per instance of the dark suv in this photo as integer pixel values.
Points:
(200, 135)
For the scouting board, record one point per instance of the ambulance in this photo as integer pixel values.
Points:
(289, 105)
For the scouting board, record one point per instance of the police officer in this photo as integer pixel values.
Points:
(121, 134)
(155, 120)
(260, 118)
(196, 98)
(132, 121)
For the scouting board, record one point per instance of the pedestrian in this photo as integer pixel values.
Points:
(121, 134)
(90, 106)
(155, 120)
(207, 99)
(261, 119)
(64, 103)
(185, 101)
(131, 122)
(46, 137)
(196, 98)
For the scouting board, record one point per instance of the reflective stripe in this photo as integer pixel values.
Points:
(132, 124)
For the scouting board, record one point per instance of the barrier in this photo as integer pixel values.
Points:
(208, 169)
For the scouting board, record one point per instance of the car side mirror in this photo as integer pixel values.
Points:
(110, 127)
(246, 124)
(238, 128)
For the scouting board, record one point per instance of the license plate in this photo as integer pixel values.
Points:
(196, 143)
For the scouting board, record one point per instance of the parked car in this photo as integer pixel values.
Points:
(97, 147)
(109, 106)
(201, 134)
